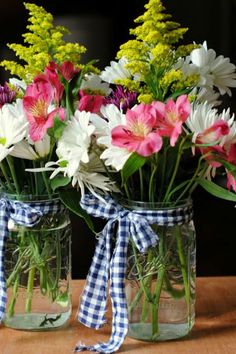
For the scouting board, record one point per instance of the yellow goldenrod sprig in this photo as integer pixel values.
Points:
(43, 43)
(154, 51)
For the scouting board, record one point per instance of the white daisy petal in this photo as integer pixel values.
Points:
(115, 71)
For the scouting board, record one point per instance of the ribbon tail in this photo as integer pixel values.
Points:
(3, 235)
(118, 298)
(3, 291)
(94, 298)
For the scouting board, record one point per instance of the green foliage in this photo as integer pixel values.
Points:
(133, 164)
(216, 190)
(58, 182)
(71, 200)
(57, 129)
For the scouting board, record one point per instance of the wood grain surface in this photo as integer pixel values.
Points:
(214, 331)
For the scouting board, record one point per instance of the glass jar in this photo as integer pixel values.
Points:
(37, 263)
(160, 284)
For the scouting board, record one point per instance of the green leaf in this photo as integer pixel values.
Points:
(59, 181)
(132, 165)
(176, 94)
(71, 199)
(216, 190)
(57, 129)
(231, 168)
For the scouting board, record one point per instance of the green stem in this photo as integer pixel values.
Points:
(151, 191)
(10, 162)
(163, 171)
(140, 277)
(184, 269)
(148, 284)
(69, 105)
(11, 306)
(17, 268)
(127, 191)
(30, 288)
(156, 301)
(58, 262)
(5, 174)
(158, 288)
(181, 196)
(36, 180)
(141, 184)
(166, 198)
(45, 179)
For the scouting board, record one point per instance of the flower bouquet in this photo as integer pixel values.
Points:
(131, 145)
(159, 134)
(36, 105)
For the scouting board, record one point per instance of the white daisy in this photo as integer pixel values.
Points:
(13, 127)
(85, 176)
(206, 94)
(74, 144)
(114, 156)
(115, 71)
(30, 150)
(203, 116)
(19, 84)
(213, 70)
(93, 82)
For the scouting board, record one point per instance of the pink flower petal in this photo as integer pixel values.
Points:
(90, 103)
(231, 182)
(213, 133)
(151, 144)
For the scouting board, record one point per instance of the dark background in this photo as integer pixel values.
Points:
(102, 26)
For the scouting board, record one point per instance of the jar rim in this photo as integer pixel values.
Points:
(137, 204)
(30, 197)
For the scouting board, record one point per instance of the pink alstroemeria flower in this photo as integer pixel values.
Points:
(212, 135)
(171, 115)
(37, 104)
(51, 76)
(90, 103)
(139, 135)
(67, 70)
(231, 181)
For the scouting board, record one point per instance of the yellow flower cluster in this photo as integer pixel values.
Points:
(44, 44)
(152, 54)
(176, 81)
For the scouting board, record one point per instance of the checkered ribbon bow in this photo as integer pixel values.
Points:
(134, 224)
(25, 214)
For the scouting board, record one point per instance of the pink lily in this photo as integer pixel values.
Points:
(67, 70)
(210, 136)
(51, 75)
(171, 116)
(37, 105)
(90, 103)
(231, 181)
(213, 133)
(139, 135)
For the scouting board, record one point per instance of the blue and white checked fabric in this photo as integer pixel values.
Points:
(110, 264)
(26, 214)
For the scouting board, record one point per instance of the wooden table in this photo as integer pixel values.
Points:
(213, 333)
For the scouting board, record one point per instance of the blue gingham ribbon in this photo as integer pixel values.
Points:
(110, 264)
(25, 214)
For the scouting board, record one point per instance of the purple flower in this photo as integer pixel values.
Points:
(122, 98)
(6, 95)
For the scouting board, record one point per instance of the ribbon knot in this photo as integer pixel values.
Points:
(24, 214)
(110, 264)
